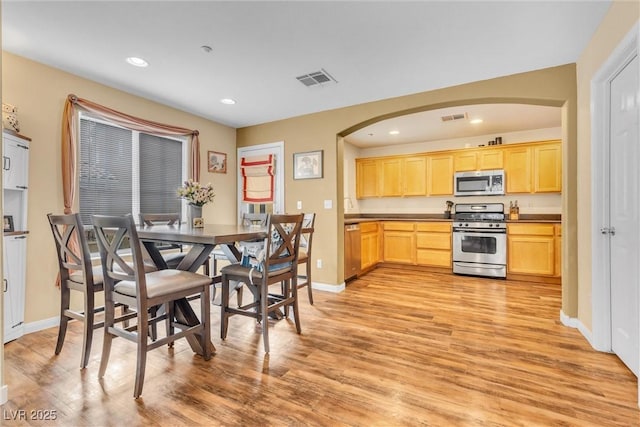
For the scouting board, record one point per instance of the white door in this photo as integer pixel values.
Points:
(277, 150)
(624, 221)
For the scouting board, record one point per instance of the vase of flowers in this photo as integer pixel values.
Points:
(197, 195)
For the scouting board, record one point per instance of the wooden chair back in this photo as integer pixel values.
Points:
(72, 247)
(149, 219)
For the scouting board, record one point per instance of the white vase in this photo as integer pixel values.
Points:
(195, 216)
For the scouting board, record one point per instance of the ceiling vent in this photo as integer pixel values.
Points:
(453, 117)
(316, 78)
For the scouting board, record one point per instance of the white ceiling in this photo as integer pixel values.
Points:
(375, 50)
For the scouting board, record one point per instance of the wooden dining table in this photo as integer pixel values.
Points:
(200, 242)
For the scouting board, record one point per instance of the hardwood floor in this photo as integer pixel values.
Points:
(398, 347)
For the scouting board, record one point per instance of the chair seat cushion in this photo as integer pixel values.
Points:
(78, 276)
(256, 275)
(165, 282)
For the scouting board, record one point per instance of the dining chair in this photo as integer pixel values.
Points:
(172, 259)
(248, 219)
(276, 264)
(127, 283)
(306, 238)
(76, 274)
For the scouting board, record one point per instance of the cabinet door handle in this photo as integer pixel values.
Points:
(8, 163)
(4, 162)
(6, 285)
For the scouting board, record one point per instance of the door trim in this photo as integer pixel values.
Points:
(600, 126)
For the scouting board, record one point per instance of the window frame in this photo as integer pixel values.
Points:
(135, 166)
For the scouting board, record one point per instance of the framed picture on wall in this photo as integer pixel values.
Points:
(307, 165)
(7, 226)
(216, 162)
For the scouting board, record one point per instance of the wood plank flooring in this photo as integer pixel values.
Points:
(398, 347)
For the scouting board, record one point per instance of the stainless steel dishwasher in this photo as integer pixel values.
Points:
(351, 251)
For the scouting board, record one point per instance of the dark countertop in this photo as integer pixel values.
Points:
(358, 218)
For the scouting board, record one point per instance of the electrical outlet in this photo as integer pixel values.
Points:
(319, 263)
(299, 204)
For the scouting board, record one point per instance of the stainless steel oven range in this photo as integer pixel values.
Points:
(480, 240)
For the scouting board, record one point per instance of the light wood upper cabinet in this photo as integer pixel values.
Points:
(391, 177)
(490, 159)
(367, 177)
(547, 168)
(415, 176)
(534, 167)
(478, 159)
(465, 160)
(517, 169)
(440, 174)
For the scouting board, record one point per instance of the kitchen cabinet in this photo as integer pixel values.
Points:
(367, 178)
(399, 242)
(534, 167)
(15, 162)
(547, 168)
(478, 159)
(370, 245)
(531, 249)
(517, 169)
(391, 177)
(415, 176)
(15, 196)
(13, 285)
(440, 174)
(433, 244)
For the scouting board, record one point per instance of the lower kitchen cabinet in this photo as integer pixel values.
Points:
(433, 244)
(531, 249)
(13, 285)
(399, 242)
(370, 245)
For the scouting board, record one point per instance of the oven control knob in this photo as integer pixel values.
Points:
(490, 225)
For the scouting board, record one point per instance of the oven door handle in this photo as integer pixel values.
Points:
(480, 231)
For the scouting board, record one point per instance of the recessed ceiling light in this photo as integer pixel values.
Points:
(137, 62)
(394, 132)
(475, 121)
(228, 101)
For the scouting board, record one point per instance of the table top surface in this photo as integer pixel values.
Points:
(209, 234)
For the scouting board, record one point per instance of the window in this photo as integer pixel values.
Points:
(124, 171)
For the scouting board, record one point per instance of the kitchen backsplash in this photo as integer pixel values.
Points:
(529, 204)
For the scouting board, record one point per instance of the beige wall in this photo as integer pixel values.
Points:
(39, 92)
(552, 86)
(616, 24)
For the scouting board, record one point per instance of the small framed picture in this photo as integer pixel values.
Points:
(198, 222)
(307, 165)
(8, 224)
(216, 162)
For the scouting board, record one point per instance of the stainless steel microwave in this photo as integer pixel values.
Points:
(479, 183)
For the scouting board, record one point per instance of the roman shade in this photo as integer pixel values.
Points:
(257, 178)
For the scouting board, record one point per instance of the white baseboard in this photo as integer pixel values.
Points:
(328, 288)
(575, 323)
(41, 325)
(4, 394)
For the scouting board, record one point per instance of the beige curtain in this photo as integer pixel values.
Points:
(69, 143)
(258, 178)
(70, 146)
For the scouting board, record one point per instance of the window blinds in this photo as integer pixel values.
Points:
(258, 178)
(113, 179)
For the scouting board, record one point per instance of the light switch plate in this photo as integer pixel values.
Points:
(299, 204)
(328, 204)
